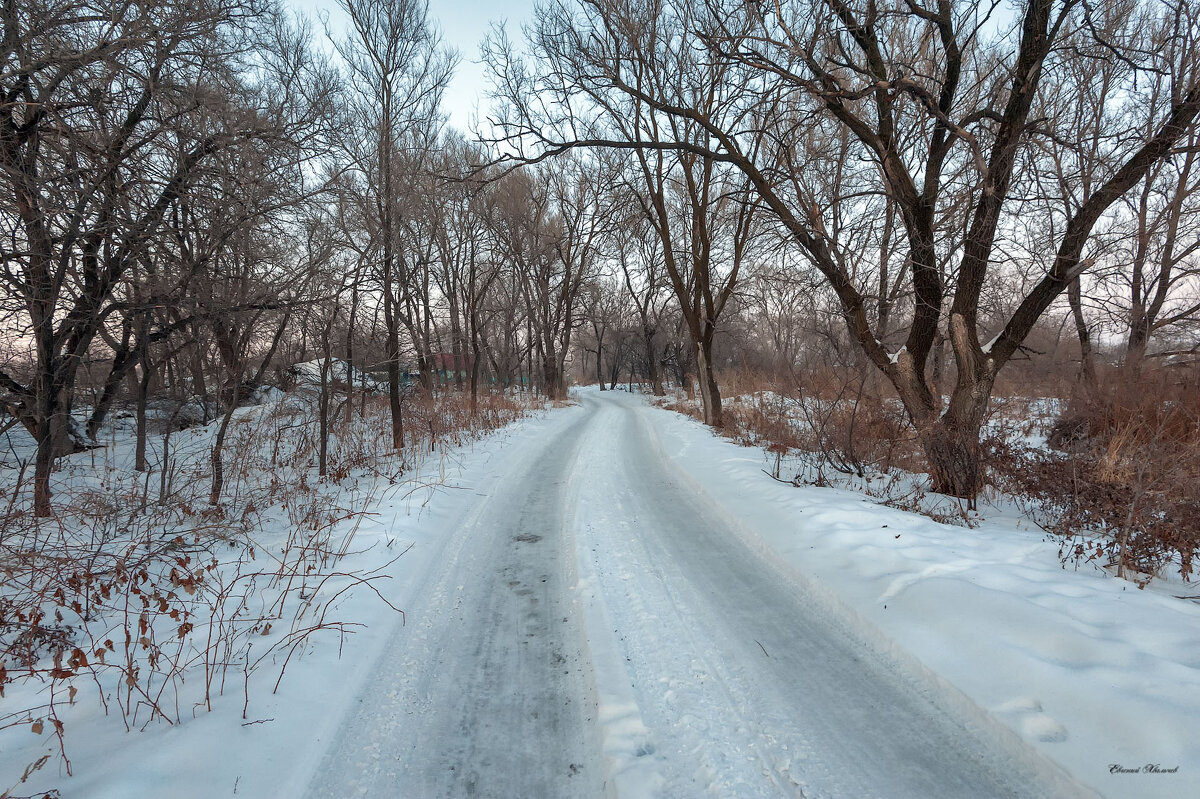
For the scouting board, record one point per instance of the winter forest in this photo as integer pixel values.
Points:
(256, 285)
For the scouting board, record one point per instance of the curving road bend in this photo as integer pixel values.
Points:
(596, 627)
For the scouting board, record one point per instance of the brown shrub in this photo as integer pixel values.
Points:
(830, 413)
(136, 595)
(1123, 488)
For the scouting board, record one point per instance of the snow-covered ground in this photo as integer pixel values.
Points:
(609, 600)
(739, 676)
(384, 514)
(1097, 675)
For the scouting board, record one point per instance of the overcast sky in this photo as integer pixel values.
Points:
(463, 23)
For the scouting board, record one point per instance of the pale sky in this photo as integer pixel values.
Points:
(463, 24)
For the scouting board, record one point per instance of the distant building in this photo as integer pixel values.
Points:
(447, 364)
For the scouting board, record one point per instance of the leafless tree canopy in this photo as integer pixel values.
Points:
(918, 157)
(923, 191)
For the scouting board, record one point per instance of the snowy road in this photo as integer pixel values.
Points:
(596, 626)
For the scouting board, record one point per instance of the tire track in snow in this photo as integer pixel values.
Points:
(714, 672)
(747, 687)
(486, 692)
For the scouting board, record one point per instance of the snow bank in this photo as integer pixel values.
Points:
(1100, 677)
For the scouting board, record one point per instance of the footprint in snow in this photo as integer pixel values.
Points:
(1033, 722)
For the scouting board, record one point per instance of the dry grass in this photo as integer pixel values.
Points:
(827, 416)
(831, 415)
(1123, 490)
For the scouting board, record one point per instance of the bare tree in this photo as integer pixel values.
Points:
(550, 224)
(399, 70)
(937, 102)
(109, 113)
(698, 206)
(643, 275)
(467, 270)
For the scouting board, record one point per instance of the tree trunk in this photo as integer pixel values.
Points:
(1087, 361)
(530, 345)
(951, 443)
(164, 465)
(261, 371)
(710, 394)
(652, 370)
(552, 375)
(51, 427)
(939, 363)
(123, 359)
(44, 461)
(458, 347)
(599, 355)
(164, 469)
(425, 370)
(218, 470)
(392, 350)
(952, 449)
(139, 454)
(681, 374)
(323, 400)
(323, 423)
(1135, 348)
(350, 327)
(475, 358)
(950, 439)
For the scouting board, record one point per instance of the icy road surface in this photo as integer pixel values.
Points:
(597, 627)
